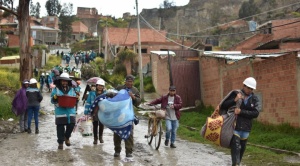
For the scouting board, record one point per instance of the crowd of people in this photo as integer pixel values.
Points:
(28, 98)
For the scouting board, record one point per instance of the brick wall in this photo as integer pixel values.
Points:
(160, 73)
(277, 80)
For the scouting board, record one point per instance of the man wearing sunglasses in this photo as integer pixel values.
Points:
(248, 110)
(172, 104)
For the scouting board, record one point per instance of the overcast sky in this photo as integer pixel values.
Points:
(112, 7)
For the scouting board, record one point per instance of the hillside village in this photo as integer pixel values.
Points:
(269, 52)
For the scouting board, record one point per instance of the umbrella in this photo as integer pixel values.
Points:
(74, 84)
(93, 80)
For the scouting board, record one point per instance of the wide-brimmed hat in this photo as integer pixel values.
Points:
(64, 76)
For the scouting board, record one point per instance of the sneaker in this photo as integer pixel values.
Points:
(37, 131)
(166, 142)
(67, 142)
(26, 130)
(172, 146)
(117, 154)
(129, 155)
(61, 146)
(29, 131)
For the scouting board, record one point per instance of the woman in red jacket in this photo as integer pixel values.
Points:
(172, 104)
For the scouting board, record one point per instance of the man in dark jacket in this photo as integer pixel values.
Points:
(172, 104)
(248, 110)
(136, 100)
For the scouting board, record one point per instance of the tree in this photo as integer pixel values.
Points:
(53, 7)
(166, 4)
(35, 9)
(22, 14)
(248, 9)
(66, 20)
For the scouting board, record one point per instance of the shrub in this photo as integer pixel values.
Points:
(53, 61)
(116, 80)
(9, 79)
(120, 69)
(87, 71)
(5, 106)
(149, 88)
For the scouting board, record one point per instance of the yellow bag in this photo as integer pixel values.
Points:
(213, 129)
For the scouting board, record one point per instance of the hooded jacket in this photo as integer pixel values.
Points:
(20, 100)
(164, 103)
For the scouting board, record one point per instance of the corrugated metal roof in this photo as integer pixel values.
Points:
(43, 28)
(237, 55)
(163, 53)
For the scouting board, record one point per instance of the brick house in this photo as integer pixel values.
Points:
(50, 21)
(274, 35)
(118, 38)
(79, 31)
(277, 79)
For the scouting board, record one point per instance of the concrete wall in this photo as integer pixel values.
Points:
(277, 84)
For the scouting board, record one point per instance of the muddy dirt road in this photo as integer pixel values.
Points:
(41, 149)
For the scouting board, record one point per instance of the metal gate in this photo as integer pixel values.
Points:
(185, 76)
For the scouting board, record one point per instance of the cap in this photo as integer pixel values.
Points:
(129, 77)
(25, 81)
(172, 87)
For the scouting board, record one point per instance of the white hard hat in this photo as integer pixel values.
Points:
(64, 76)
(43, 74)
(250, 82)
(100, 82)
(32, 81)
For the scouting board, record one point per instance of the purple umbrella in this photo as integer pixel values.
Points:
(74, 84)
(93, 80)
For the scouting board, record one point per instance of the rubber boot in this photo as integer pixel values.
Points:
(235, 150)
(95, 132)
(101, 128)
(243, 148)
(95, 140)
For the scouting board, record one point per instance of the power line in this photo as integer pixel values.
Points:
(234, 21)
(228, 34)
(149, 25)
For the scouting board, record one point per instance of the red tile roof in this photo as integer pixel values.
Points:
(125, 36)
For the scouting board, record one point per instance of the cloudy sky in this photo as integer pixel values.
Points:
(112, 7)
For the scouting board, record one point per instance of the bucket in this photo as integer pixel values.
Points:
(86, 128)
(67, 101)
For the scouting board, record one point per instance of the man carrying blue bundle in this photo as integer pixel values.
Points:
(136, 100)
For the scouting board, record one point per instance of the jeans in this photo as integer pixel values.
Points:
(63, 132)
(23, 121)
(41, 87)
(242, 134)
(33, 110)
(171, 128)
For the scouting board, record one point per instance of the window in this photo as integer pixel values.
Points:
(51, 19)
(144, 50)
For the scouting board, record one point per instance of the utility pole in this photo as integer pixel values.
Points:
(99, 36)
(105, 57)
(140, 54)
